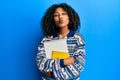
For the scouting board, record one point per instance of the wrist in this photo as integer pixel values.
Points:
(62, 63)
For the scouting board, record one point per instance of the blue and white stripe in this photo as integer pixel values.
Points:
(76, 48)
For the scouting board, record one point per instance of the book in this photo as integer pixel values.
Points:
(60, 55)
(55, 45)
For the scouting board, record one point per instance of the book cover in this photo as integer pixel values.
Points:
(55, 45)
(60, 55)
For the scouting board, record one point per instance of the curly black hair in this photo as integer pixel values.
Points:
(48, 24)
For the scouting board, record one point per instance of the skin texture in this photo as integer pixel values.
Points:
(61, 20)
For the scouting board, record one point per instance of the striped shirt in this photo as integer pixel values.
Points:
(76, 48)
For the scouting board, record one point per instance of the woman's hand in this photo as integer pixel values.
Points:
(69, 61)
(48, 74)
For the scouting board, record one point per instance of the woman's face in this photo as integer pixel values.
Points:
(61, 18)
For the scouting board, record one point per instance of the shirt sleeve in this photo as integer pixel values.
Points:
(73, 70)
(44, 64)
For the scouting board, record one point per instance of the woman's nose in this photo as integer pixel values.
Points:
(60, 16)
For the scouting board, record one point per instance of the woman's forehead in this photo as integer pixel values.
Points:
(59, 9)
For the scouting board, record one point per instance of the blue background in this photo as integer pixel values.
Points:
(20, 34)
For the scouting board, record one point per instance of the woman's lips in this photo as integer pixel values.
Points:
(60, 21)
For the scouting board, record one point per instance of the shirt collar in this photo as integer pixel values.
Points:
(70, 34)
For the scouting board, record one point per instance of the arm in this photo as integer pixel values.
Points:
(72, 70)
(44, 64)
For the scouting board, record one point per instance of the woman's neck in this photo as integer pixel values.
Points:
(63, 32)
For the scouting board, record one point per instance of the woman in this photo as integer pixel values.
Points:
(61, 21)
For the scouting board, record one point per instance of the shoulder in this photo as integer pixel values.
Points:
(79, 37)
(45, 39)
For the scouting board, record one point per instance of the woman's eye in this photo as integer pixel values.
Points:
(55, 15)
(64, 13)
